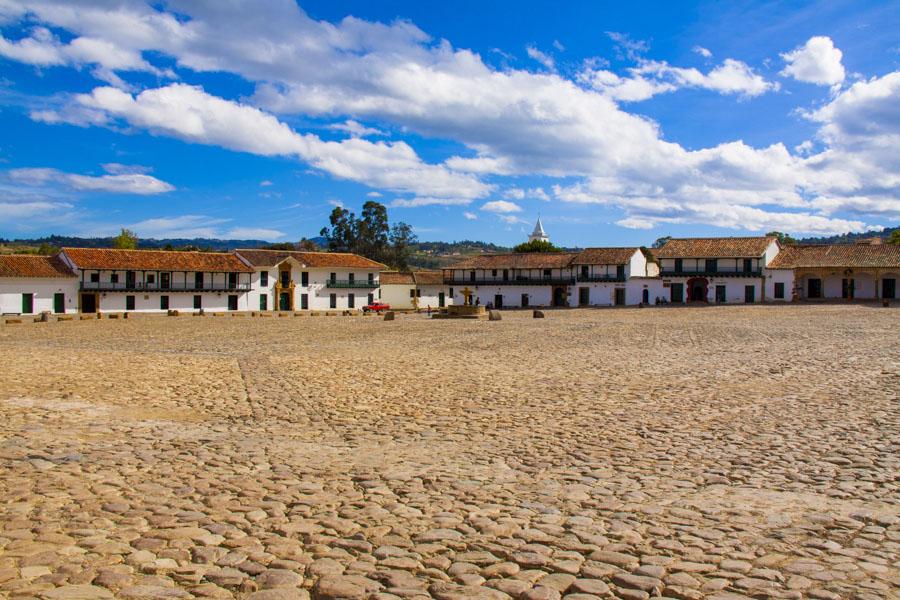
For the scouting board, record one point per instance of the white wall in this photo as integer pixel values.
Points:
(734, 288)
(637, 266)
(785, 276)
(183, 301)
(397, 295)
(317, 292)
(43, 288)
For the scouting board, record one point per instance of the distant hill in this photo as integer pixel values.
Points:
(849, 238)
(60, 241)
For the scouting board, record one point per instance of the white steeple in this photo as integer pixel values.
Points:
(538, 233)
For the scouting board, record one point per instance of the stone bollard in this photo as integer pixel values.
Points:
(172, 312)
(389, 315)
(538, 314)
(494, 315)
(45, 316)
(202, 313)
(886, 303)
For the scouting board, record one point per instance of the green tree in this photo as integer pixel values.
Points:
(536, 246)
(895, 237)
(373, 231)
(126, 240)
(343, 234)
(660, 242)
(307, 245)
(402, 241)
(281, 246)
(783, 238)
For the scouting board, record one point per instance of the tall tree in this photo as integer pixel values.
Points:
(536, 246)
(126, 240)
(373, 231)
(402, 240)
(783, 238)
(307, 245)
(343, 235)
(659, 243)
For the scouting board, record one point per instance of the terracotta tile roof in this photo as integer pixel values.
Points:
(313, 260)
(155, 260)
(724, 247)
(29, 265)
(604, 256)
(838, 255)
(396, 278)
(529, 260)
(429, 277)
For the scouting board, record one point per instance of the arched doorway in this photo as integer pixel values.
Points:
(697, 289)
(559, 296)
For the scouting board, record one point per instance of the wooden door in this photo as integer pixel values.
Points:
(27, 304)
(677, 292)
(59, 303)
(889, 288)
(749, 294)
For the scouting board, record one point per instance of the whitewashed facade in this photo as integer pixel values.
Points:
(33, 284)
(415, 290)
(285, 280)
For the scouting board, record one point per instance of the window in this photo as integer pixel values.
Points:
(471, 275)
(412, 293)
(95, 277)
(620, 271)
(129, 302)
(351, 301)
(585, 271)
(371, 277)
(198, 281)
(129, 279)
(198, 302)
(263, 302)
(678, 265)
(493, 272)
(712, 265)
(505, 274)
(748, 265)
(232, 302)
(164, 280)
(151, 277)
(418, 293)
(547, 273)
(451, 292)
(779, 290)
(264, 279)
(114, 278)
(285, 278)
(304, 278)
(232, 281)
(332, 301)
(164, 303)
(351, 277)
(332, 277)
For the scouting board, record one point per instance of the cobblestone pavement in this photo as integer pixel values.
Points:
(720, 452)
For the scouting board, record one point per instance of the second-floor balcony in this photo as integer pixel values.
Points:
(511, 281)
(361, 284)
(601, 278)
(174, 286)
(711, 274)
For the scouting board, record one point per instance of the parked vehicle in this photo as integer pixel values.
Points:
(376, 307)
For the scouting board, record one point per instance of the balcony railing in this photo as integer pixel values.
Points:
(710, 274)
(516, 281)
(175, 286)
(601, 279)
(352, 283)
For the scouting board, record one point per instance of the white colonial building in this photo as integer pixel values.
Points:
(836, 271)
(288, 280)
(158, 280)
(724, 270)
(592, 277)
(32, 284)
(415, 290)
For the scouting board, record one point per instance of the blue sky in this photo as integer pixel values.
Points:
(617, 124)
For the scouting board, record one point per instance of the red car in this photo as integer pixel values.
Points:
(376, 307)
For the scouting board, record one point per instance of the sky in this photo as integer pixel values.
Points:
(616, 123)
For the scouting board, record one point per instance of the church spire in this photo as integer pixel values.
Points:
(538, 233)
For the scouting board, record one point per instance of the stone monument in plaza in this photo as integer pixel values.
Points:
(467, 310)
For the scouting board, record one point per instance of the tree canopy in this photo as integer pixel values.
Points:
(783, 238)
(660, 242)
(370, 235)
(126, 240)
(536, 246)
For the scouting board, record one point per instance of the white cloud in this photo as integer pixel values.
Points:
(650, 78)
(511, 122)
(470, 216)
(127, 183)
(374, 194)
(626, 47)
(115, 168)
(255, 233)
(185, 226)
(429, 201)
(559, 46)
(355, 128)
(265, 183)
(817, 61)
(705, 53)
(191, 114)
(336, 203)
(501, 207)
(544, 59)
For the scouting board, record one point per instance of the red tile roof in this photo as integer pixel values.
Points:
(313, 260)
(604, 256)
(724, 247)
(429, 277)
(524, 260)
(396, 278)
(838, 255)
(155, 260)
(29, 265)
